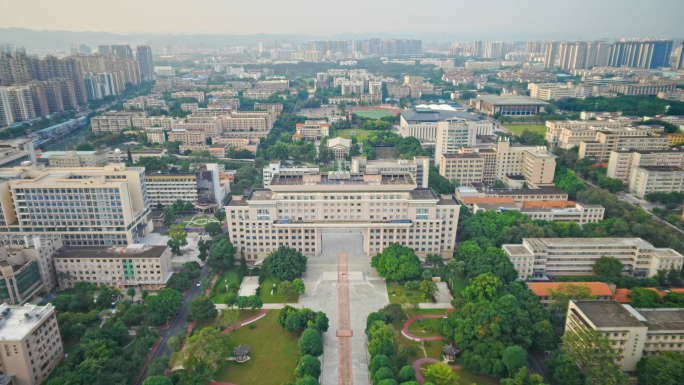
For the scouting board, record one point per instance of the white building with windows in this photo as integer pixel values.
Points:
(385, 208)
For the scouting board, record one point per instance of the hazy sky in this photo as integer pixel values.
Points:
(519, 19)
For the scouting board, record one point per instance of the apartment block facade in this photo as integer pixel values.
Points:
(32, 343)
(86, 206)
(621, 163)
(656, 179)
(313, 131)
(385, 209)
(187, 136)
(199, 95)
(140, 266)
(114, 122)
(539, 257)
(570, 133)
(622, 138)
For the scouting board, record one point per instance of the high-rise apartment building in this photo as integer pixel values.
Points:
(122, 51)
(6, 115)
(145, 62)
(536, 47)
(679, 63)
(103, 49)
(32, 343)
(652, 54)
(86, 206)
(581, 55)
(498, 49)
(621, 163)
(551, 53)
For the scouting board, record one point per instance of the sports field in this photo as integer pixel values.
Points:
(519, 128)
(373, 114)
(361, 134)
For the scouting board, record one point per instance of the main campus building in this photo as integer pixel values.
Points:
(385, 207)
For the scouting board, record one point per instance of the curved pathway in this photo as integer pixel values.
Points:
(418, 362)
(405, 329)
(249, 320)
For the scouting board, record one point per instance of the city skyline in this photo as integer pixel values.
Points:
(502, 20)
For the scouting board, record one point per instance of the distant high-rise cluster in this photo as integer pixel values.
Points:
(372, 46)
(641, 54)
(498, 49)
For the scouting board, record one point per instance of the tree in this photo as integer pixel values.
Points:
(428, 288)
(377, 362)
(608, 267)
(144, 294)
(157, 380)
(220, 215)
(129, 157)
(406, 374)
(397, 263)
(131, 292)
(255, 302)
(666, 368)
(563, 369)
(169, 215)
(320, 323)
(567, 292)
(514, 357)
(286, 289)
(382, 339)
(158, 366)
(85, 147)
(213, 229)
(209, 347)
(523, 377)
(673, 276)
(222, 254)
(188, 206)
(375, 316)
(645, 298)
(434, 260)
(308, 366)
(202, 308)
(78, 330)
(485, 287)
(177, 238)
(285, 263)
(308, 380)
(310, 343)
(227, 318)
(299, 286)
(594, 353)
(383, 374)
(160, 307)
(441, 374)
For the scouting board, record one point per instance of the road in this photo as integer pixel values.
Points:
(179, 322)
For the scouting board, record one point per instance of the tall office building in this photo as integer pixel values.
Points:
(122, 51)
(105, 206)
(32, 343)
(551, 52)
(146, 63)
(103, 49)
(651, 54)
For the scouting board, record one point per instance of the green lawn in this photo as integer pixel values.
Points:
(276, 297)
(226, 278)
(361, 134)
(430, 327)
(273, 353)
(210, 323)
(457, 286)
(373, 114)
(400, 293)
(468, 377)
(519, 128)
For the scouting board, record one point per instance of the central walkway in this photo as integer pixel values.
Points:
(345, 358)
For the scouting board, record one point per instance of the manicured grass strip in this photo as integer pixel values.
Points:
(276, 297)
(519, 128)
(273, 354)
(231, 276)
(401, 292)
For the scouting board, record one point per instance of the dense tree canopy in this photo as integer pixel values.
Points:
(285, 264)
(397, 263)
(666, 368)
(165, 304)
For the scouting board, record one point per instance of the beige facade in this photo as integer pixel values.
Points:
(143, 266)
(199, 95)
(247, 123)
(622, 163)
(97, 205)
(26, 266)
(114, 122)
(239, 143)
(622, 138)
(31, 341)
(538, 257)
(257, 95)
(71, 159)
(268, 116)
(419, 167)
(634, 333)
(276, 167)
(117, 156)
(569, 133)
(535, 163)
(580, 214)
(211, 125)
(189, 106)
(313, 130)
(385, 209)
(656, 179)
(339, 147)
(642, 88)
(154, 121)
(191, 136)
(466, 168)
(155, 135)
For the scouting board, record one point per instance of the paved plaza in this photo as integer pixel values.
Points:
(367, 293)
